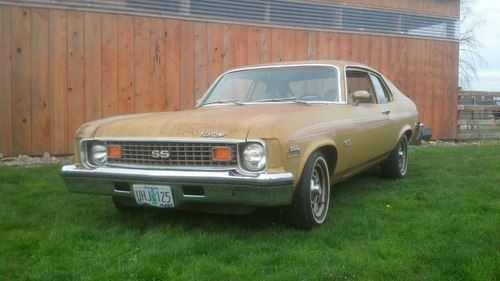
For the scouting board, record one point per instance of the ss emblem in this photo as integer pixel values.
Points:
(160, 153)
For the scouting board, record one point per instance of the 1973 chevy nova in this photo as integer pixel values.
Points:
(266, 135)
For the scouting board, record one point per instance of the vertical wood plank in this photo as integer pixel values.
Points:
(419, 81)
(58, 82)
(253, 48)
(93, 32)
(300, 45)
(332, 51)
(411, 68)
(312, 45)
(385, 62)
(21, 80)
(173, 68)
(364, 49)
(5, 81)
(452, 78)
(240, 45)
(227, 52)
(76, 74)
(109, 65)
(323, 45)
(265, 45)
(142, 99)
(393, 70)
(345, 46)
(40, 96)
(447, 92)
(375, 51)
(187, 64)
(289, 45)
(158, 64)
(402, 63)
(426, 113)
(126, 64)
(277, 42)
(200, 58)
(214, 50)
(439, 93)
(355, 47)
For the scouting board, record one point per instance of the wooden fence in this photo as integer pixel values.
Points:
(62, 68)
(478, 115)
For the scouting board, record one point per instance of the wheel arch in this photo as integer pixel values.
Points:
(406, 130)
(328, 149)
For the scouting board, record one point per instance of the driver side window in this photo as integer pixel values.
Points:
(359, 81)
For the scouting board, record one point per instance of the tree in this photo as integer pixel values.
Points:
(470, 57)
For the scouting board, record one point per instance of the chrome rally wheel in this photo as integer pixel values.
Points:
(312, 195)
(396, 165)
(403, 156)
(319, 190)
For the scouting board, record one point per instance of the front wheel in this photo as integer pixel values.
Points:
(312, 195)
(396, 166)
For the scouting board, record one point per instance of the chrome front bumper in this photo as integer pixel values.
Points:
(221, 187)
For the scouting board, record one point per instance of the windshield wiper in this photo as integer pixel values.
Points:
(293, 99)
(235, 101)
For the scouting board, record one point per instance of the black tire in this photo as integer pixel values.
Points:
(305, 211)
(124, 205)
(396, 166)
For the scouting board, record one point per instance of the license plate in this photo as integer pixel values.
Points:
(153, 195)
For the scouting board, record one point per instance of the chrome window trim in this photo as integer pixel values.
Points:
(238, 168)
(201, 103)
(370, 71)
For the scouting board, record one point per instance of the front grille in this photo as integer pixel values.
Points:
(181, 154)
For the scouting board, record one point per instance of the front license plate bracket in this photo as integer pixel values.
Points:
(153, 195)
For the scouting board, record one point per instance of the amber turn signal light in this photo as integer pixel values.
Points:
(222, 154)
(114, 151)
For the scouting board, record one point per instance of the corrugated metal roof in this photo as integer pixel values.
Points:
(301, 14)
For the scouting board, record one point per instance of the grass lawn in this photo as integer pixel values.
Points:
(440, 223)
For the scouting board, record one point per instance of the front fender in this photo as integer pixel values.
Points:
(296, 164)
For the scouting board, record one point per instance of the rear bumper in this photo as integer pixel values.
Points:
(221, 187)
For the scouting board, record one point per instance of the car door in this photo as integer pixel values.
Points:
(368, 138)
(387, 107)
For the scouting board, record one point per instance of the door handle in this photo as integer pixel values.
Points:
(386, 112)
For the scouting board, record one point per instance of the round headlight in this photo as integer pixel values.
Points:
(254, 157)
(99, 154)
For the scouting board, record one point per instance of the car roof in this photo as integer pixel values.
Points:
(339, 63)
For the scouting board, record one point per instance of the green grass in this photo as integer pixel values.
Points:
(440, 223)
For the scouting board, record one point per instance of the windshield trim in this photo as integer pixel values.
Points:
(340, 92)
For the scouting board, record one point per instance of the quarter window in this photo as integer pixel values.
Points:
(380, 89)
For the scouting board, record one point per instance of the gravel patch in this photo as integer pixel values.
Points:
(28, 161)
(457, 142)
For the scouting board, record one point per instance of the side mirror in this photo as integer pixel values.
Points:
(360, 95)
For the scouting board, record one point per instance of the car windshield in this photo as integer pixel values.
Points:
(277, 84)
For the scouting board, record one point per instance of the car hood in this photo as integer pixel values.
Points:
(235, 121)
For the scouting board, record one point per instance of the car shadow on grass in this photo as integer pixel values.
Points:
(261, 218)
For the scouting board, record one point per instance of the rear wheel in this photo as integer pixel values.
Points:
(312, 195)
(396, 166)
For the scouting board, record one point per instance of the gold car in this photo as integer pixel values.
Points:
(266, 135)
